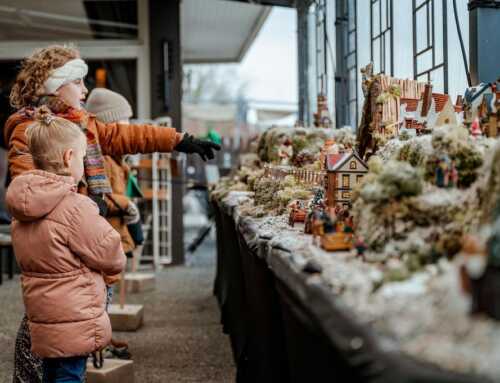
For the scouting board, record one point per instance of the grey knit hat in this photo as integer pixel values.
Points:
(108, 106)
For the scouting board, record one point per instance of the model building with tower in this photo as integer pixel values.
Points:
(382, 107)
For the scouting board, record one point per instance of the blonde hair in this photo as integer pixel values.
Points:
(49, 137)
(35, 70)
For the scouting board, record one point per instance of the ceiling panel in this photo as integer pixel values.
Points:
(219, 30)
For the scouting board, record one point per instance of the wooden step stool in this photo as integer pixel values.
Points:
(112, 371)
(138, 282)
(126, 318)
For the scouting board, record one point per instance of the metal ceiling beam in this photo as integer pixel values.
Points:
(280, 3)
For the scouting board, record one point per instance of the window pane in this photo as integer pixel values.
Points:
(421, 29)
(376, 56)
(352, 14)
(423, 78)
(437, 79)
(403, 34)
(376, 17)
(352, 83)
(438, 30)
(424, 61)
(387, 39)
(352, 114)
(456, 73)
(352, 42)
(383, 20)
(351, 60)
(345, 180)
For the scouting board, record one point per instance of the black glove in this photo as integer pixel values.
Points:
(101, 204)
(204, 148)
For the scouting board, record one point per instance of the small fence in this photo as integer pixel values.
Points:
(304, 176)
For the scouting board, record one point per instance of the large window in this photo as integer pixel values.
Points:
(430, 42)
(347, 68)
(414, 39)
(381, 36)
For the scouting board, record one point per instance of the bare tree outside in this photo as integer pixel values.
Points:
(220, 84)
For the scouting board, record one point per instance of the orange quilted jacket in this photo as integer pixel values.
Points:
(114, 139)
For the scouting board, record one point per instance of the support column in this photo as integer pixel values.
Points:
(342, 95)
(166, 94)
(484, 40)
(303, 61)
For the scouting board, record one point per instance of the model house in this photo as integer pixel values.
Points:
(343, 172)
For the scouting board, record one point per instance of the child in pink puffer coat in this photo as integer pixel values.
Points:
(63, 248)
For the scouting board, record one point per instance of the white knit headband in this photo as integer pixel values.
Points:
(73, 70)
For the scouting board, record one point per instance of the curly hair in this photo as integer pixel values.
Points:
(35, 70)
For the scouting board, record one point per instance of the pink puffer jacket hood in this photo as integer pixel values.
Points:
(36, 194)
(63, 247)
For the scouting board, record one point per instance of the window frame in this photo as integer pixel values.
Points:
(430, 23)
(384, 29)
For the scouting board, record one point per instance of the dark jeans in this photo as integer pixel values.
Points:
(64, 370)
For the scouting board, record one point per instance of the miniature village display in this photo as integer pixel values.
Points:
(397, 205)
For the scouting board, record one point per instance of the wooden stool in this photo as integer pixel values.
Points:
(126, 318)
(138, 282)
(112, 371)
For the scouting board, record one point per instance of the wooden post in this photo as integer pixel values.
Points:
(123, 289)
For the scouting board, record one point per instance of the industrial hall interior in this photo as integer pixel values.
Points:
(249, 191)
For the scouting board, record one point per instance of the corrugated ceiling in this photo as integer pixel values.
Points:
(218, 30)
(211, 30)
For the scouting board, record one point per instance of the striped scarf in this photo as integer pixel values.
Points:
(95, 174)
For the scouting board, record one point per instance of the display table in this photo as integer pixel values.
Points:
(287, 324)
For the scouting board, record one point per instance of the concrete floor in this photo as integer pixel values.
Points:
(181, 340)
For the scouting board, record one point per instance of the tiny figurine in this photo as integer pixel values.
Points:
(442, 171)
(297, 213)
(317, 225)
(360, 247)
(317, 200)
(475, 128)
(285, 152)
(316, 208)
(446, 172)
